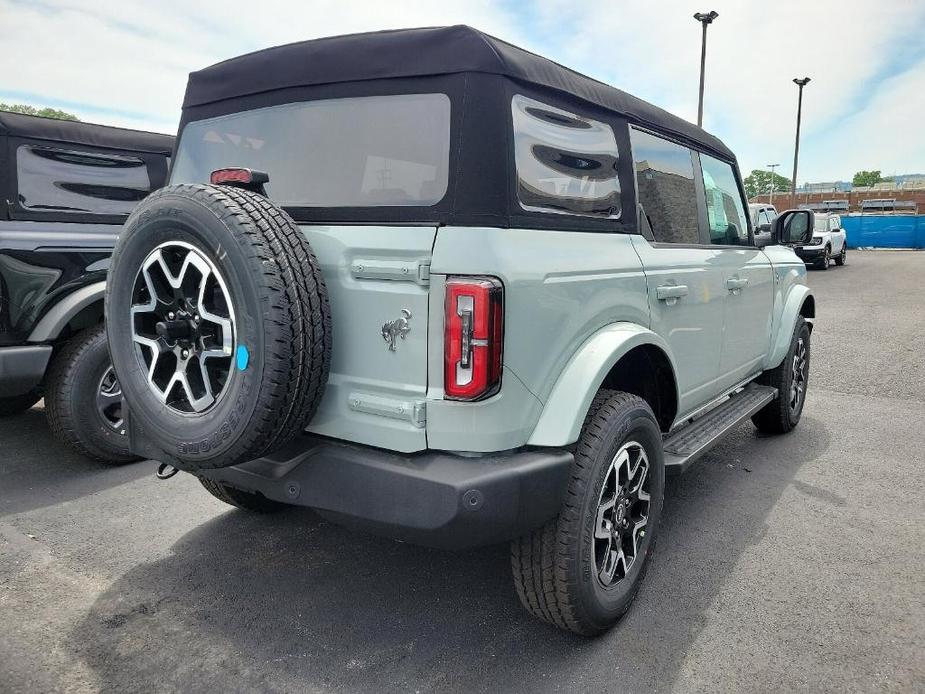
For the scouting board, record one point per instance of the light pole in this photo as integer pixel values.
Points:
(705, 18)
(796, 148)
(771, 194)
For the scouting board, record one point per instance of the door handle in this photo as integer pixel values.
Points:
(670, 293)
(735, 284)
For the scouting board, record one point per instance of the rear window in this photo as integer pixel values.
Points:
(355, 152)
(71, 180)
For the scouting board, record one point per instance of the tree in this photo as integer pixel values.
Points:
(867, 178)
(33, 111)
(758, 182)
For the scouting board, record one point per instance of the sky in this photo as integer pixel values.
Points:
(126, 62)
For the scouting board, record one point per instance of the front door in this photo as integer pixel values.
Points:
(685, 284)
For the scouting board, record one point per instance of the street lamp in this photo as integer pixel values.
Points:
(705, 18)
(796, 148)
(771, 194)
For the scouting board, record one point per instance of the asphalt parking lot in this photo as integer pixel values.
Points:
(791, 563)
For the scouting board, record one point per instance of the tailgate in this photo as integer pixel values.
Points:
(377, 279)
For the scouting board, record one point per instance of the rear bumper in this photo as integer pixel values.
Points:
(431, 498)
(22, 368)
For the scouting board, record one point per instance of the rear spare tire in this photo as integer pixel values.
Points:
(219, 325)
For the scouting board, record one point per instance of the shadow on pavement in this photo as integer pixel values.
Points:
(36, 470)
(293, 603)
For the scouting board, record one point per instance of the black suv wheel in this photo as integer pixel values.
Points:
(83, 400)
(581, 571)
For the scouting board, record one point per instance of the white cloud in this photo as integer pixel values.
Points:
(128, 60)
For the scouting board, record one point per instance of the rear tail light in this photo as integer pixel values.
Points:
(249, 179)
(474, 337)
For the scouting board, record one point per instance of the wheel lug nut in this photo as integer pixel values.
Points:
(171, 315)
(185, 354)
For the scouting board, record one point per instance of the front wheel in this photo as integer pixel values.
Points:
(791, 379)
(581, 571)
(826, 259)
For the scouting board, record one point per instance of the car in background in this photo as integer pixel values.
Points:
(68, 187)
(763, 217)
(829, 243)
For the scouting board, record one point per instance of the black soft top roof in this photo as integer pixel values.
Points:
(52, 129)
(419, 53)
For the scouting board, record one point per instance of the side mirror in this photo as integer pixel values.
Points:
(762, 235)
(793, 228)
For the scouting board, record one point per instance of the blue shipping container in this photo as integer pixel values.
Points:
(884, 231)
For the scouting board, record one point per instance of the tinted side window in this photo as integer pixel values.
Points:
(67, 180)
(565, 163)
(725, 212)
(665, 183)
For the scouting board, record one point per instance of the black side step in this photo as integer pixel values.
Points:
(685, 445)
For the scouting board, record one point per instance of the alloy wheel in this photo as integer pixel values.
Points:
(183, 327)
(622, 514)
(798, 377)
(109, 400)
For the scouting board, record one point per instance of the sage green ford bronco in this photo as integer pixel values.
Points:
(433, 285)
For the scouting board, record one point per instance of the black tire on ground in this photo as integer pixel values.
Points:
(556, 568)
(249, 501)
(282, 325)
(19, 403)
(780, 416)
(842, 257)
(71, 387)
(824, 263)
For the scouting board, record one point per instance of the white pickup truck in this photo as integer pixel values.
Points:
(829, 243)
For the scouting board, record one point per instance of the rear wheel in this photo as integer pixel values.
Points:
(791, 378)
(581, 571)
(19, 403)
(842, 257)
(83, 403)
(249, 501)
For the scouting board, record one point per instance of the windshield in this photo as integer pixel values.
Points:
(820, 223)
(355, 152)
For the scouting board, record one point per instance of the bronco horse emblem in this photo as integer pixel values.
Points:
(395, 329)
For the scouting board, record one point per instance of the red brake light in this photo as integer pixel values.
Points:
(245, 178)
(474, 332)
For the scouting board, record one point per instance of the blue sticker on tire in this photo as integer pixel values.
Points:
(243, 356)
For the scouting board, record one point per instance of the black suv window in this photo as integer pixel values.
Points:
(566, 163)
(725, 211)
(665, 184)
(70, 180)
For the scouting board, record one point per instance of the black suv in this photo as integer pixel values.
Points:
(67, 188)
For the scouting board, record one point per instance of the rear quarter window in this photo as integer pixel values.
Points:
(566, 163)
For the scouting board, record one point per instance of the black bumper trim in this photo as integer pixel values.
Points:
(22, 368)
(431, 498)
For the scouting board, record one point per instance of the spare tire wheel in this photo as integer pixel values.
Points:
(219, 325)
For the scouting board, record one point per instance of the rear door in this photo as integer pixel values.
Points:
(684, 283)
(377, 280)
(746, 271)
